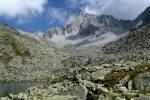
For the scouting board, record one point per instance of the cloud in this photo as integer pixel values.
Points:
(124, 9)
(90, 11)
(121, 9)
(21, 8)
(57, 15)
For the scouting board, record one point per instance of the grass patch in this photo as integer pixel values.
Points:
(6, 58)
(113, 78)
(18, 48)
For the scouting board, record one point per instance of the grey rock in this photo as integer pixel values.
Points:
(101, 97)
(107, 65)
(59, 97)
(99, 75)
(79, 91)
(23, 96)
(14, 97)
(130, 85)
(142, 98)
(142, 82)
(79, 76)
(4, 98)
(123, 89)
(118, 65)
(119, 98)
(88, 84)
(124, 81)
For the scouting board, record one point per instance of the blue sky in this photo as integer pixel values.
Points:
(41, 15)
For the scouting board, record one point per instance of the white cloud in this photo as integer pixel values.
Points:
(57, 14)
(90, 11)
(21, 8)
(125, 9)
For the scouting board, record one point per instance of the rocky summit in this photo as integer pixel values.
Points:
(118, 69)
(88, 29)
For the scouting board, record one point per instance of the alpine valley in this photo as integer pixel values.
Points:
(89, 58)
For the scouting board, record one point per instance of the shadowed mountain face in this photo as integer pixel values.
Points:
(142, 19)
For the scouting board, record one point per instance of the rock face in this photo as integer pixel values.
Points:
(84, 25)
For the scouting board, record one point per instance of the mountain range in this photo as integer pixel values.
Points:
(87, 29)
(83, 28)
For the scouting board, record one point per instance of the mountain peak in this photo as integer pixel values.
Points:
(84, 25)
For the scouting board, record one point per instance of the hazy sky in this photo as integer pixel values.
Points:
(40, 15)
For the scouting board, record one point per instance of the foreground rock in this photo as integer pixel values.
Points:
(142, 82)
(114, 86)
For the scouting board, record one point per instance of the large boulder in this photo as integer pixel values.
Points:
(142, 82)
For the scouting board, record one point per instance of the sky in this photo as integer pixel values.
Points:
(41, 15)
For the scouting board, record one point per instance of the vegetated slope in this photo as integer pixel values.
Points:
(25, 58)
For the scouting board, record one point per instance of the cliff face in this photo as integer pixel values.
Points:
(83, 28)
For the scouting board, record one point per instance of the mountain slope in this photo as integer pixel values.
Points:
(136, 40)
(25, 58)
(142, 19)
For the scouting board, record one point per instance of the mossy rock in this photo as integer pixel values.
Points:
(114, 78)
